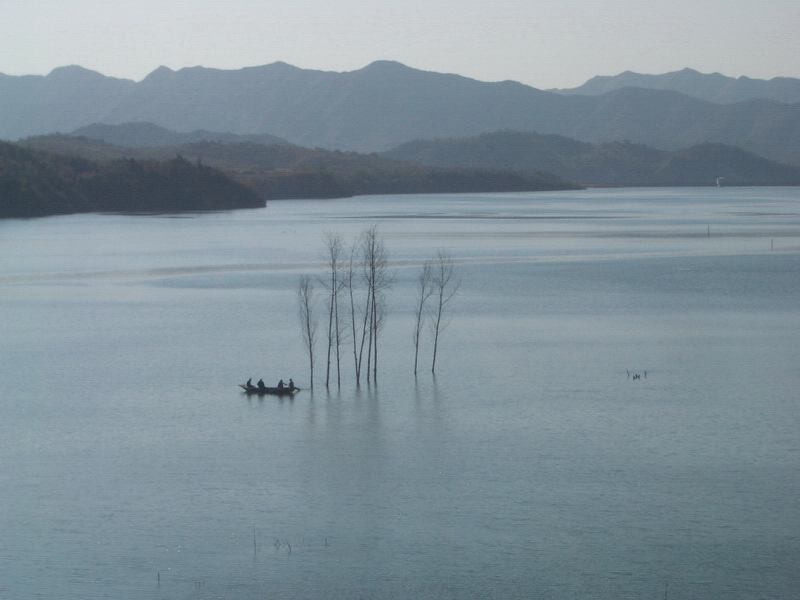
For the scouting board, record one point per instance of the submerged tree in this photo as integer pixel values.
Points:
(445, 283)
(308, 323)
(334, 283)
(424, 291)
(364, 278)
(376, 275)
(351, 284)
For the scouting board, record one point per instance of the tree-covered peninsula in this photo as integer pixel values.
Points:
(35, 183)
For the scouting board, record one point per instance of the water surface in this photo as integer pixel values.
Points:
(533, 465)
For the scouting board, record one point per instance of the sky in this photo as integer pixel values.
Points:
(542, 43)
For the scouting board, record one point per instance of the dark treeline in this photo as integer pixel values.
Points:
(173, 186)
(35, 183)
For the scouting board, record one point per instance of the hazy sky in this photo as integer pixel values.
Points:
(541, 43)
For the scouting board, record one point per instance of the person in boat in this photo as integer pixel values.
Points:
(281, 385)
(291, 384)
(261, 384)
(249, 382)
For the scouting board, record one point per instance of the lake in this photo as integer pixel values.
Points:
(614, 414)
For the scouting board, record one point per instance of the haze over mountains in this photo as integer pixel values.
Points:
(387, 104)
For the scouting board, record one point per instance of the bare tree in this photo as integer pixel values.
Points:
(308, 323)
(424, 291)
(377, 279)
(379, 311)
(445, 282)
(351, 283)
(334, 283)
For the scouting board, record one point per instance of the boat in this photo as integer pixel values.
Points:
(274, 391)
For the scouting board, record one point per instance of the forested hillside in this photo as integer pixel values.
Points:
(614, 163)
(281, 171)
(149, 135)
(34, 183)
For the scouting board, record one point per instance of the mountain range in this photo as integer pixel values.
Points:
(386, 104)
(609, 163)
(712, 87)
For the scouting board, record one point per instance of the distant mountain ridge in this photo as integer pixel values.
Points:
(383, 105)
(712, 87)
(611, 163)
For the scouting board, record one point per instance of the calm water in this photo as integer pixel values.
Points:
(531, 466)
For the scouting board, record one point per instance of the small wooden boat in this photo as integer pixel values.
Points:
(273, 391)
